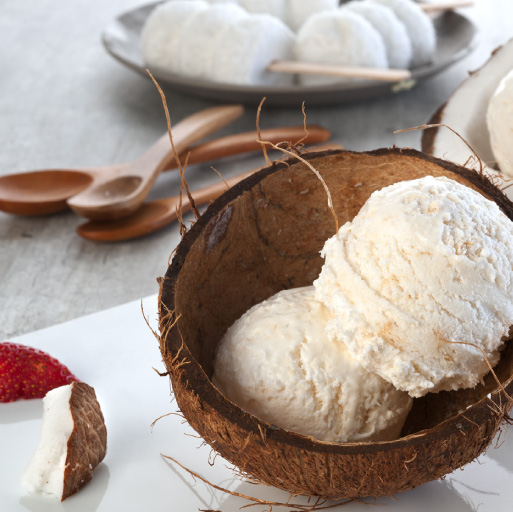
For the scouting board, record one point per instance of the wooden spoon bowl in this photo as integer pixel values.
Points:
(262, 236)
(41, 193)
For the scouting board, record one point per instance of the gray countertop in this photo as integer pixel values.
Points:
(64, 102)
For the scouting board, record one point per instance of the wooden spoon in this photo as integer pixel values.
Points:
(154, 215)
(46, 191)
(126, 188)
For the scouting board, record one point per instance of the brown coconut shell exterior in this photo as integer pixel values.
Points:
(262, 236)
(87, 444)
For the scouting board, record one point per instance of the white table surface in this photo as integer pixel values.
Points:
(65, 103)
(115, 352)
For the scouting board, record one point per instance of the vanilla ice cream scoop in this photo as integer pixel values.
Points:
(419, 27)
(393, 31)
(499, 119)
(339, 37)
(221, 42)
(420, 284)
(277, 363)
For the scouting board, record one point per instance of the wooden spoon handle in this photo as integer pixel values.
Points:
(314, 68)
(186, 132)
(246, 142)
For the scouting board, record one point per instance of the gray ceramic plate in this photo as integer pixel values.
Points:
(456, 35)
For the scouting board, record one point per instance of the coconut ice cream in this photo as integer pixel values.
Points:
(277, 363)
(221, 42)
(420, 285)
(292, 12)
(419, 27)
(393, 31)
(162, 32)
(339, 37)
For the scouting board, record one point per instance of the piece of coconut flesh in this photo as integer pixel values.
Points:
(499, 119)
(466, 111)
(71, 417)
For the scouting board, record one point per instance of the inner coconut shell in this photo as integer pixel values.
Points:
(262, 236)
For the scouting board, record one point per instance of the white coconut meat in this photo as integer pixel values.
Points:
(194, 50)
(45, 473)
(339, 37)
(298, 11)
(392, 30)
(162, 31)
(73, 441)
(465, 112)
(419, 27)
(243, 52)
(499, 120)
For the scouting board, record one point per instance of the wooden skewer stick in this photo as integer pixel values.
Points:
(444, 6)
(388, 75)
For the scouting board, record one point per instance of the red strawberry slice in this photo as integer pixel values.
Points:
(26, 372)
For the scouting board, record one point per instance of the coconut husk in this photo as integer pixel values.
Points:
(87, 444)
(262, 236)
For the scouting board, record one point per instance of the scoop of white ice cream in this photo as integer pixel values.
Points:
(292, 12)
(195, 50)
(298, 11)
(246, 47)
(419, 27)
(162, 31)
(338, 37)
(277, 8)
(391, 29)
(277, 363)
(221, 43)
(499, 118)
(423, 271)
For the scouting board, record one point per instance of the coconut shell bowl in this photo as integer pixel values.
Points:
(262, 236)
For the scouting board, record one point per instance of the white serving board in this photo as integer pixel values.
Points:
(115, 352)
